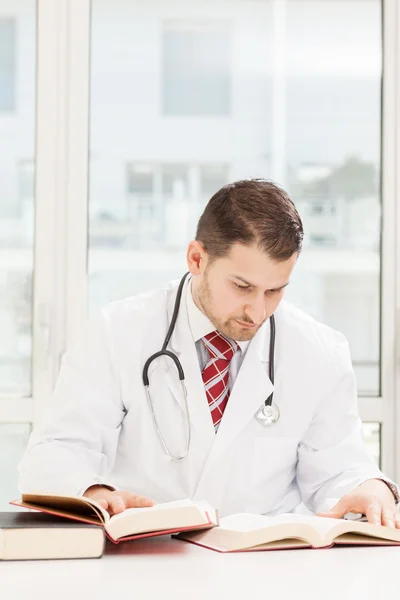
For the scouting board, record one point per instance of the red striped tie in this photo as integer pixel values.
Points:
(216, 373)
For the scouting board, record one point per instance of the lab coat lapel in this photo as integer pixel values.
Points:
(251, 388)
(182, 344)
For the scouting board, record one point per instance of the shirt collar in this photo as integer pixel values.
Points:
(200, 325)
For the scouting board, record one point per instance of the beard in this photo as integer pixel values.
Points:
(230, 328)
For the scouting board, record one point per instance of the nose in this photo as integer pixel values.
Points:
(257, 310)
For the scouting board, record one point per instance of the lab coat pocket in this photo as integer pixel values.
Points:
(274, 462)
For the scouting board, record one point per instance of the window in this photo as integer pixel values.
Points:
(17, 151)
(372, 441)
(331, 102)
(26, 185)
(175, 180)
(140, 180)
(213, 178)
(307, 113)
(205, 93)
(16, 212)
(144, 212)
(196, 59)
(7, 64)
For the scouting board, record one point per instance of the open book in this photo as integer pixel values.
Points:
(246, 532)
(160, 519)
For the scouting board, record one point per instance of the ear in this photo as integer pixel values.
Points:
(196, 257)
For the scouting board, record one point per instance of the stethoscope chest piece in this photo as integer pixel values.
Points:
(268, 414)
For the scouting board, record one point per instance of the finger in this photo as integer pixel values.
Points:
(337, 511)
(135, 501)
(116, 504)
(103, 503)
(388, 514)
(397, 521)
(374, 513)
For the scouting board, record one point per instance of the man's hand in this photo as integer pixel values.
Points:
(116, 501)
(373, 499)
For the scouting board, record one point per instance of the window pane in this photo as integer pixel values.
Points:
(196, 67)
(17, 110)
(254, 92)
(333, 119)
(7, 64)
(13, 441)
(140, 179)
(212, 178)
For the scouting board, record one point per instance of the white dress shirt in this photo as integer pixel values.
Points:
(200, 325)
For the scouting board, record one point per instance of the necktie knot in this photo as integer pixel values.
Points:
(219, 347)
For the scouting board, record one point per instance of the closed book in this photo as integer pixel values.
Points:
(249, 532)
(33, 535)
(132, 523)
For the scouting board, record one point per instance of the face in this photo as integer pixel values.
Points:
(240, 291)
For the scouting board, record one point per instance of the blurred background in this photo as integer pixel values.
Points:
(120, 119)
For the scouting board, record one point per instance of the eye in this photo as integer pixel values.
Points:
(241, 287)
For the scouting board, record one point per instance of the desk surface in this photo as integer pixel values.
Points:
(165, 568)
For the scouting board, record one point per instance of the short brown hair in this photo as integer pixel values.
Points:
(251, 211)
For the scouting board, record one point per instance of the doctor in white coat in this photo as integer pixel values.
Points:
(99, 438)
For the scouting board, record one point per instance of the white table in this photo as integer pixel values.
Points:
(165, 568)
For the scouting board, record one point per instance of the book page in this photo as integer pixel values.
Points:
(243, 522)
(177, 515)
(323, 525)
(331, 528)
(206, 508)
(361, 540)
(202, 506)
(251, 531)
(377, 532)
(251, 522)
(315, 530)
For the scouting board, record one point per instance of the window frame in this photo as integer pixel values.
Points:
(61, 170)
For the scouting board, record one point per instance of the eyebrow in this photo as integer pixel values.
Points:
(252, 284)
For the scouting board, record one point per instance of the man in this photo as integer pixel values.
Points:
(105, 438)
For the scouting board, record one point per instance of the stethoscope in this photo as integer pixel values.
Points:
(267, 415)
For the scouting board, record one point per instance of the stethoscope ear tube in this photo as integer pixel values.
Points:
(164, 351)
(175, 313)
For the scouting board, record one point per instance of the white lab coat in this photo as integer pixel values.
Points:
(99, 428)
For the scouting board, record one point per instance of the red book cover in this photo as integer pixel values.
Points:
(97, 520)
